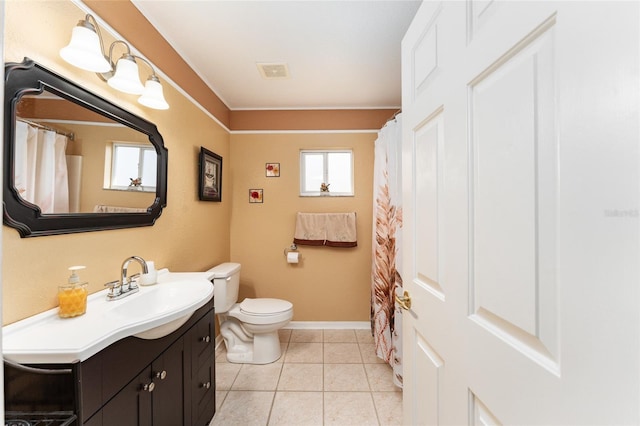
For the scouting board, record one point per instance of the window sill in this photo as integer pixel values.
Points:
(325, 194)
(132, 189)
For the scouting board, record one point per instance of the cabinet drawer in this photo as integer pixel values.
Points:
(203, 391)
(201, 338)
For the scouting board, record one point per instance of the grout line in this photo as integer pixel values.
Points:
(375, 407)
(322, 387)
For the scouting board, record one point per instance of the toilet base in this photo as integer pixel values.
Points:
(245, 347)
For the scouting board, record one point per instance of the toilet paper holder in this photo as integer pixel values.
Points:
(292, 247)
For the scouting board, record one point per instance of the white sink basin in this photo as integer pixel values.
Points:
(153, 312)
(170, 299)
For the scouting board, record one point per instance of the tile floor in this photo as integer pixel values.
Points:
(324, 377)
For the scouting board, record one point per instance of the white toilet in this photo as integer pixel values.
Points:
(250, 328)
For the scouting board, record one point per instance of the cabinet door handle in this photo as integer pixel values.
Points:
(161, 374)
(149, 387)
(205, 339)
(205, 385)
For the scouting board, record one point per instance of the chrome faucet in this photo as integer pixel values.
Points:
(126, 285)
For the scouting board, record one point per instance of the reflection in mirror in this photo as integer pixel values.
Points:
(73, 161)
(70, 160)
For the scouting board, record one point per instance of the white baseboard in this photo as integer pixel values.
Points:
(328, 325)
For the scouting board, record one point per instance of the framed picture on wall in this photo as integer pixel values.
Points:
(272, 169)
(210, 186)
(255, 196)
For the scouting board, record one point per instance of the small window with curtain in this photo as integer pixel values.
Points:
(326, 173)
(132, 166)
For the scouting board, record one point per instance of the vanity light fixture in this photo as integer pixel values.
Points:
(86, 51)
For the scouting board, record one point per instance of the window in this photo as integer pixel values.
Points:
(133, 167)
(326, 172)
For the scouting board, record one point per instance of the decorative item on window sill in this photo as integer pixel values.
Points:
(86, 51)
(135, 182)
(324, 187)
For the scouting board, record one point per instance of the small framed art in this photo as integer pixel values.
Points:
(210, 186)
(255, 196)
(272, 169)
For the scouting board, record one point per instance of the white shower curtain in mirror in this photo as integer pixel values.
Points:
(386, 318)
(41, 168)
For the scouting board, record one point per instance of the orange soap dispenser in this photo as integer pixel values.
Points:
(72, 297)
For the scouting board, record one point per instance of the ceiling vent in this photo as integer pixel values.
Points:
(272, 71)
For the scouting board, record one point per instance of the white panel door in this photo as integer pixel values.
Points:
(521, 190)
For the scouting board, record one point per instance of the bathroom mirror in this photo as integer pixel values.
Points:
(44, 111)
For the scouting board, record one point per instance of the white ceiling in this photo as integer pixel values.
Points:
(340, 54)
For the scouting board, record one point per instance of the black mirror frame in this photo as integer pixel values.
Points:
(30, 77)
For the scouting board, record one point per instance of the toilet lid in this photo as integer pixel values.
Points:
(264, 306)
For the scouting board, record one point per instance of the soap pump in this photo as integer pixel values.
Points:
(72, 297)
(74, 278)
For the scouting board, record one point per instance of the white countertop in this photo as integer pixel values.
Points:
(47, 338)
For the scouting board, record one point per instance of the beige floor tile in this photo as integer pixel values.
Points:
(304, 352)
(301, 377)
(246, 408)
(258, 377)
(339, 336)
(324, 377)
(220, 396)
(221, 354)
(226, 373)
(349, 408)
(389, 407)
(284, 334)
(364, 336)
(345, 377)
(283, 350)
(314, 336)
(297, 409)
(380, 377)
(342, 353)
(368, 352)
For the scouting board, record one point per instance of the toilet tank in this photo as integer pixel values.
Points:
(226, 283)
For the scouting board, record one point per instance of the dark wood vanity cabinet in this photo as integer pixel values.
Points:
(173, 383)
(202, 391)
(154, 397)
(162, 382)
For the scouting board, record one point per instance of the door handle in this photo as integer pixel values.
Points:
(404, 301)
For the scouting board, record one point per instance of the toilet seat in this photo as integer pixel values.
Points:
(264, 306)
(262, 311)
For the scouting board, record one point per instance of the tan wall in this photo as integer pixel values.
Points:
(190, 235)
(330, 284)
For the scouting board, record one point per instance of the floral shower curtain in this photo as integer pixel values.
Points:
(41, 175)
(386, 318)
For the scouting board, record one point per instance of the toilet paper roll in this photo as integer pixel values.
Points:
(292, 257)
